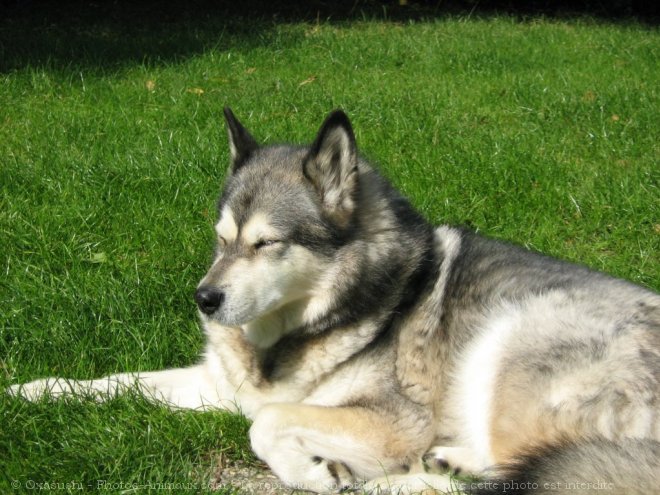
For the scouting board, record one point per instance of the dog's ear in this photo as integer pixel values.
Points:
(241, 143)
(332, 167)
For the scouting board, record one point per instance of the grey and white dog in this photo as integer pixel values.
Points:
(375, 351)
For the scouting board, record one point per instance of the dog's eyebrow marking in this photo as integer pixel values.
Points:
(226, 227)
(258, 228)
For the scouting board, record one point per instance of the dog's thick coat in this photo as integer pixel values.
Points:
(361, 340)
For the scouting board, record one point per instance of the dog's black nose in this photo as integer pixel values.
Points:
(208, 299)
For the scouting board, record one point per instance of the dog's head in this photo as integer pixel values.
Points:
(284, 213)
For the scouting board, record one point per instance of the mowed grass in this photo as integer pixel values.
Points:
(543, 132)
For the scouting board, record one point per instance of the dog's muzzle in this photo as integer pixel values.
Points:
(208, 299)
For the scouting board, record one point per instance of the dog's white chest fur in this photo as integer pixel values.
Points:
(475, 382)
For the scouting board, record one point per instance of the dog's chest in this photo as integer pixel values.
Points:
(363, 379)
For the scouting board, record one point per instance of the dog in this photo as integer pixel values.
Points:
(375, 352)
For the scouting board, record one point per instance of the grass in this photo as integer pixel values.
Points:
(112, 150)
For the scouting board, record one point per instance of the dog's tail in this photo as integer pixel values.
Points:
(597, 466)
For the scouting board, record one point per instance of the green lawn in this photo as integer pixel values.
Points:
(113, 148)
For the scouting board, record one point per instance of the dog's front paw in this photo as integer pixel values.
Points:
(319, 476)
(337, 475)
(452, 460)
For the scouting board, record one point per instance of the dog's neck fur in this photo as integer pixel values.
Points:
(372, 273)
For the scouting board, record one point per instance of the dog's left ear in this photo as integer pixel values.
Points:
(241, 143)
(332, 167)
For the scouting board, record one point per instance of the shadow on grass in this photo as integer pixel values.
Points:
(106, 35)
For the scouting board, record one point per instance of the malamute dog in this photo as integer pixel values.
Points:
(376, 352)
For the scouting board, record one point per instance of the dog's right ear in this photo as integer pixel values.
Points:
(241, 143)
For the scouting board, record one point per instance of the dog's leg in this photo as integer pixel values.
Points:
(187, 388)
(56, 387)
(327, 449)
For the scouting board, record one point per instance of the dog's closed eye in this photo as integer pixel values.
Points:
(263, 243)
